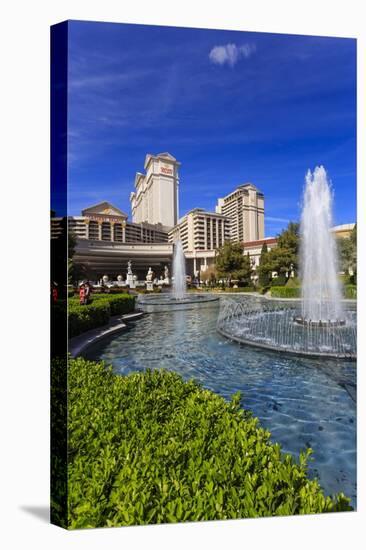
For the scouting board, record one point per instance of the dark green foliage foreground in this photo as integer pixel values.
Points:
(151, 448)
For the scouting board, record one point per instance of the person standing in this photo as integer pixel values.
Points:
(82, 294)
(87, 292)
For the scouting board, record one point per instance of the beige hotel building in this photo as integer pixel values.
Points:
(155, 200)
(239, 217)
(245, 209)
(106, 239)
(201, 234)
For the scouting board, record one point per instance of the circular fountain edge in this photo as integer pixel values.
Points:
(310, 354)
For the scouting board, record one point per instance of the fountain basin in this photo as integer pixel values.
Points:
(168, 301)
(322, 323)
(273, 327)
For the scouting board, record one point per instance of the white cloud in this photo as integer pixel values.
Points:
(271, 219)
(230, 53)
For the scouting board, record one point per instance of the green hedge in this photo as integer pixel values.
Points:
(293, 282)
(83, 318)
(119, 303)
(280, 280)
(285, 292)
(151, 448)
(98, 312)
(350, 291)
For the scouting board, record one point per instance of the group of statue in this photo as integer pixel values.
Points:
(131, 279)
(162, 280)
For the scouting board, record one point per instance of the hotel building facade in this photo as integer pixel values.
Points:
(201, 234)
(106, 239)
(245, 209)
(155, 199)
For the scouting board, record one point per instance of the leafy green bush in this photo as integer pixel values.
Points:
(350, 291)
(115, 290)
(151, 448)
(83, 318)
(119, 303)
(293, 282)
(97, 313)
(353, 279)
(280, 280)
(285, 292)
(264, 289)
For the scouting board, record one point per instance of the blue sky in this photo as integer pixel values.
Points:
(232, 107)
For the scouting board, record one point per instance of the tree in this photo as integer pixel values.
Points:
(231, 263)
(262, 269)
(209, 276)
(285, 256)
(347, 252)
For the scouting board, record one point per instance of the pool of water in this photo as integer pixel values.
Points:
(303, 402)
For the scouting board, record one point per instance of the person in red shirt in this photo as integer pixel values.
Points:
(54, 293)
(82, 294)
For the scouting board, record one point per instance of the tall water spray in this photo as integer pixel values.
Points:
(179, 272)
(321, 295)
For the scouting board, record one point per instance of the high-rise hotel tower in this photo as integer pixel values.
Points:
(155, 199)
(245, 209)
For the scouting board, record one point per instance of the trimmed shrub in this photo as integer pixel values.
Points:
(280, 280)
(115, 290)
(98, 312)
(353, 279)
(119, 304)
(293, 282)
(150, 448)
(350, 291)
(83, 318)
(285, 292)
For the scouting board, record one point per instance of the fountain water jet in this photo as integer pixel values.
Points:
(179, 272)
(178, 297)
(318, 326)
(321, 294)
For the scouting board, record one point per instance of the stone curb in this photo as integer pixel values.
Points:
(116, 324)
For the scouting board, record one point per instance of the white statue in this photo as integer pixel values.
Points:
(149, 275)
(119, 278)
(105, 279)
(130, 279)
(166, 272)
